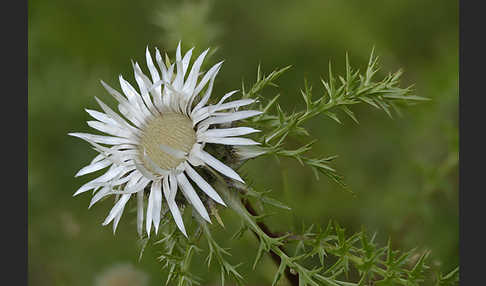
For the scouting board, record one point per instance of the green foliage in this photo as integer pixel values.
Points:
(451, 278)
(338, 255)
(177, 252)
(340, 93)
(216, 251)
(341, 259)
(416, 208)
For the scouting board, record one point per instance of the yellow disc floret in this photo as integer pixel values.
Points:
(169, 129)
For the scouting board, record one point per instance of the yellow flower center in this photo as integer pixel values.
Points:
(171, 130)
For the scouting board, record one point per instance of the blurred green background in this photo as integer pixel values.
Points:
(404, 171)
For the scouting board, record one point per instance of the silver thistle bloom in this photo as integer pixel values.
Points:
(161, 137)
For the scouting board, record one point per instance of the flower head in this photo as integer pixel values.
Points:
(157, 143)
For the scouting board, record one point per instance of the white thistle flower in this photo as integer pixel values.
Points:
(248, 152)
(166, 127)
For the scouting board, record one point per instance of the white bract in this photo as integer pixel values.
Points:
(161, 137)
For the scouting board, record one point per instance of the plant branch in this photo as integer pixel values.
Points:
(292, 278)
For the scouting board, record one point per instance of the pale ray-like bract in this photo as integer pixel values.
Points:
(159, 137)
